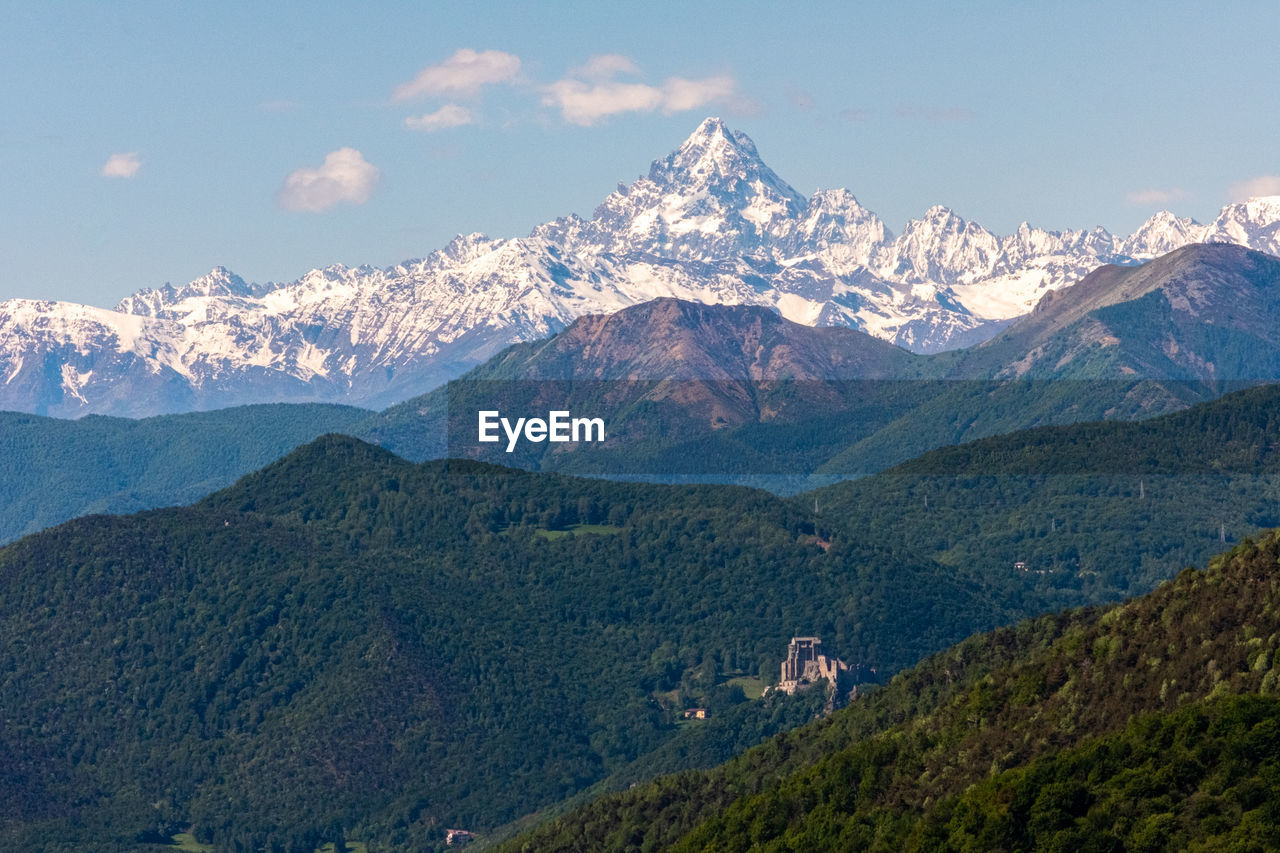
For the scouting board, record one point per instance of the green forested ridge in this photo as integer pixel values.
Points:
(1203, 778)
(1150, 725)
(52, 470)
(1104, 509)
(345, 640)
(671, 589)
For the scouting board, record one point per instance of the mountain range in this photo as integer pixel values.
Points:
(723, 391)
(718, 393)
(710, 223)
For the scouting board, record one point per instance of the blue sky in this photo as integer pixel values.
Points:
(146, 142)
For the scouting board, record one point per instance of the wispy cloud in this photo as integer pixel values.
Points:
(681, 95)
(464, 74)
(345, 176)
(1259, 187)
(122, 165)
(450, 115)
(1154, 195)
(589, 93)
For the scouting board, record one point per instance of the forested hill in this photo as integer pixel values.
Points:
(1238, 433)
(1150, 725)
(1095, 511)
(349, 643)
(52, 469)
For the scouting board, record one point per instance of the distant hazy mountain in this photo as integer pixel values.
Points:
(710, 223)
(52, 470)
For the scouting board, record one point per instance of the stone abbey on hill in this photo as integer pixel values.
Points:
(806, 665)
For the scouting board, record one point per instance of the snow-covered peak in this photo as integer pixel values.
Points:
(1254, 223)
(712, 198)
(465, 248)
(712, 151)
(219, 282)
(722, 161)
(1160, 234)
(834, 222)
(940, 247)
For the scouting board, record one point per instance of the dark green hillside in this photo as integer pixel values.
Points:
(1061, 716)
(345, 640)
(1101, 509)
(1202, 778)
(52, 470)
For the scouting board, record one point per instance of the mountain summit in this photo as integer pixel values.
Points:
(709, 223)
(711, 198)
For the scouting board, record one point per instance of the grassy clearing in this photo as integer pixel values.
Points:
(576, 529)
(752, 686)
(187, 842)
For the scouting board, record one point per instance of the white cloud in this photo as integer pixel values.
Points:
(1153, 195)
(585, 104)
(463, 74)
(450, 115)
(122, 165)
(345, 176)
(681, 94)
(589, 94)
(604, 66)
(1259, 187)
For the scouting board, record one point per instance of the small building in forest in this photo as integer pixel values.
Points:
(458, 837)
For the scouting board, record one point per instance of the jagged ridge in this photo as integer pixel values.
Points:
(709, 223)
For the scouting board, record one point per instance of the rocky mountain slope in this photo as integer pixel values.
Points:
(1201, 312)
(710, 223)
(757, 394)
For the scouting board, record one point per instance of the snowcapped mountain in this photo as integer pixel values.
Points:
(710, 223)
